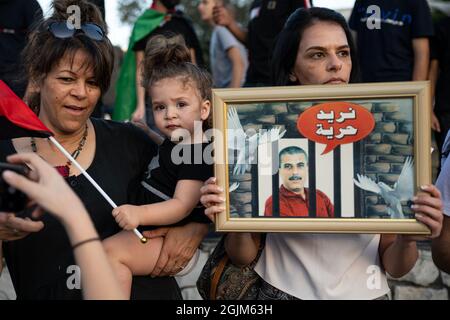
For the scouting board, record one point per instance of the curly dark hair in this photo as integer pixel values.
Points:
(43, 50)
(169, 57)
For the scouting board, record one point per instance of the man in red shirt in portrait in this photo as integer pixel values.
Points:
(294, 197)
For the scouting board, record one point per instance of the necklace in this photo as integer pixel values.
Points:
(65, 169)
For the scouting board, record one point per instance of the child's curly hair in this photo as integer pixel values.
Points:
(169, 57)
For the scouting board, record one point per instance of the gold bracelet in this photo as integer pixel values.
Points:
(85, 241)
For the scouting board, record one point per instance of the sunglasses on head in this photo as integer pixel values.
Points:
(63, 31)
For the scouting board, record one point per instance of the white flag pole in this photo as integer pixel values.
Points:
(99, 189)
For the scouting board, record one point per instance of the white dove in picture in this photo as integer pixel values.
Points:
(403, 189)
(244, 145)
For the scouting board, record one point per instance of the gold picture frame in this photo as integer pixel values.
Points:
(400, 134)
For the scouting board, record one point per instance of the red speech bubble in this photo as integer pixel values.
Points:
(335, 123)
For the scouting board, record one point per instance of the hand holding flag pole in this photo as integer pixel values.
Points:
(17, 120)
(92, 181)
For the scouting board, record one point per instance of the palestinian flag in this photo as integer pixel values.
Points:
(17, 119)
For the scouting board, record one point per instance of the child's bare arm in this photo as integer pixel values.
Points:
(242, 248)
(186, 197)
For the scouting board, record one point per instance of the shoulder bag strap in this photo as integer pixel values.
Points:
(216, 277)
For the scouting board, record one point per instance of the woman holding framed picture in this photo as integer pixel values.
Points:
(316, 47)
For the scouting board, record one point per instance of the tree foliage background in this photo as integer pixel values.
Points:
(129, 10)
(440, 9)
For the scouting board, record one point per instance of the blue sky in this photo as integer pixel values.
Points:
(119, 33)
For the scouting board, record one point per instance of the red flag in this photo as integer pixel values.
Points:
(17, 119)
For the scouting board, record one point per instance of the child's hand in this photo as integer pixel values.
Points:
(126, 217)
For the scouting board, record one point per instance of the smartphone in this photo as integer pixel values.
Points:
(11, 199)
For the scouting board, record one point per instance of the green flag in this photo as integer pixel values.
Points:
(126, 97)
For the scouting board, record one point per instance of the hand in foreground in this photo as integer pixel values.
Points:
(212, 198)
(428, 208)
(44, 186)
(14, 228)
(179, 246)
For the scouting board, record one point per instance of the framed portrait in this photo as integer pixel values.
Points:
(322, 159)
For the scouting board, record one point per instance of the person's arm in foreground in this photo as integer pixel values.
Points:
(15, 228)
(399, 253)
(241, 247)
(49, 190)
